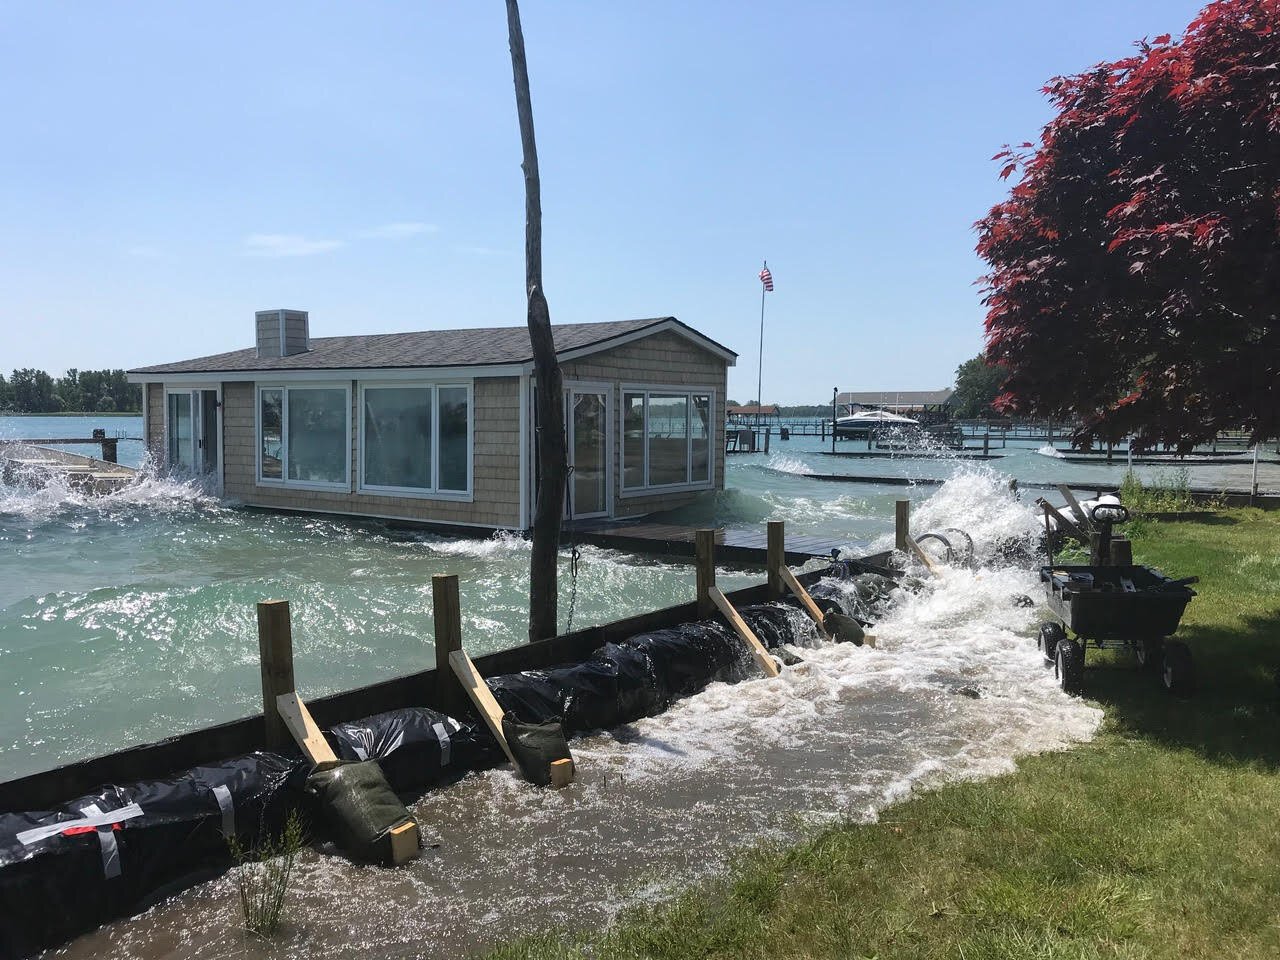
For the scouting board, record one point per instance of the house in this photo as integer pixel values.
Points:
(438, 426)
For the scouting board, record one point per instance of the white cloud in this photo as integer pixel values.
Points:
(286, 245)
(398, 231)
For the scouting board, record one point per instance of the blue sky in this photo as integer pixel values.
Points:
(171, 168)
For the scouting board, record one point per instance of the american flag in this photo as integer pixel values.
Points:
(767, 278)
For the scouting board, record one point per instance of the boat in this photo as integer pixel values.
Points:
(866, 423)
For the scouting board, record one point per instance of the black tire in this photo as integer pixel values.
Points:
(1050, 634)
(1177, 673)
(1068, 665)
(1149, 652)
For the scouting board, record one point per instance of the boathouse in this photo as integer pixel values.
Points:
(438, 426)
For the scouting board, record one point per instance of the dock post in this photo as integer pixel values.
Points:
(986, 444)
(450, 698)
(767, 432)
(275, 650)
(705, 561)
(776, 557)
(901, 524)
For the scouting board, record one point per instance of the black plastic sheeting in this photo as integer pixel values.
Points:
(58, 886)
(54, 888)
(418, 748)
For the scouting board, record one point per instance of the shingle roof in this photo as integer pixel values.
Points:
(481, 346)
(896, 398)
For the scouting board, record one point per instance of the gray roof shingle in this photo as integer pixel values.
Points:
(428, 348)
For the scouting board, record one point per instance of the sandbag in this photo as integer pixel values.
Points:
(535, 746)
(843, 629)
(616, 686)
(60, 878)
(358, 806)
(416, 747)
(686, 658)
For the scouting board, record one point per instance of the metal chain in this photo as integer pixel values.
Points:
(574, 556)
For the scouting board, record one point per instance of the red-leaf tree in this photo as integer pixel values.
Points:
(1134, 280)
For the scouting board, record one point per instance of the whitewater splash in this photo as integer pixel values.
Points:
(1049, 450)
(954, 690)
(52, 496)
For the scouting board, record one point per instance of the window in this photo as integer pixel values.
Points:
(271, 434)
(181, 436)
(417, 439)
(304, 436)
(666, 439)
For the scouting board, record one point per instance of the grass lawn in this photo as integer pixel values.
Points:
(1159, 839)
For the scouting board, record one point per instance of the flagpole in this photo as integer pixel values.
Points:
(764, 265)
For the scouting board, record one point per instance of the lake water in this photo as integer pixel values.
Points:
(131, 617)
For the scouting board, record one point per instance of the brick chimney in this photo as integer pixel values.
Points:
(282, 333)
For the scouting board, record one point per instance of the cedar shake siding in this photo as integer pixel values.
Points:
(495, 498)
(155, 421)
(663, 360)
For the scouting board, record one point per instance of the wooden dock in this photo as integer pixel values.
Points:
(676, 540)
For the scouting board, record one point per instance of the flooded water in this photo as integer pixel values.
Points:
(130, 617)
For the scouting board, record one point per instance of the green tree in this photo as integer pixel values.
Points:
(68, 389)
(6, 394)
(977, 386)
(33, 392)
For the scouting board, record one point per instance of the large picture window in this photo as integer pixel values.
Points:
(666, 439)
(416, 439)
(304, 436)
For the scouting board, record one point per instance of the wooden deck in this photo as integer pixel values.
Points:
(668, 540)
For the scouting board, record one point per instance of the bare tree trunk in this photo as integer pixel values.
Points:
(552, 462)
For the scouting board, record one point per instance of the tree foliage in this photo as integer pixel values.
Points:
(1134, 282)
(92, 391)
(977, 386)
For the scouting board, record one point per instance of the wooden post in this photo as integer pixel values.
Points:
(901, 524)
(1121, 552)
(776, 556)
(744, 632)
(275, 651)
(450, 698)
(705, 563)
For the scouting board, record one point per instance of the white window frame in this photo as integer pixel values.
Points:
(435, 493)
(647, 489)
(343, 486)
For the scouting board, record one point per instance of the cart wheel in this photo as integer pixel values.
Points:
(1148, 651)
(1178, 675)
(1047, 639)
(1068, 665)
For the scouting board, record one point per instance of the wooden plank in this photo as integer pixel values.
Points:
(447, 612)
(705, 571)
(297, 718)
(482, 697)
(802, 595)
(275, 653)
(562, 772)
(405, 845)
(901, 523)
(1074, 504)
(922, 556)
(742, 630)
(775, 558)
